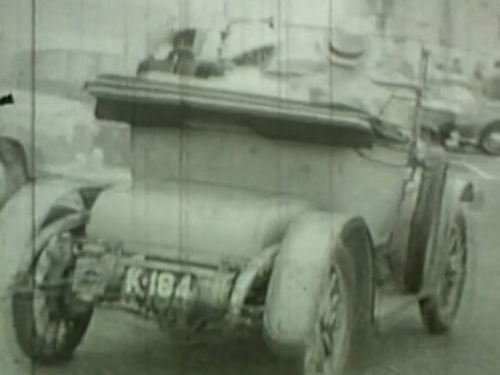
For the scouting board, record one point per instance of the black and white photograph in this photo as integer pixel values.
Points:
(249, 187)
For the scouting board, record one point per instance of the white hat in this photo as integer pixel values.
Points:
(348, 42)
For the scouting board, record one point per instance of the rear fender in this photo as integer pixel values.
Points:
(30, 209)
(299, 269)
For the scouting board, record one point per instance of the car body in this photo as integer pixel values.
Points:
(265, 206)
(51, 122)
(456, 105)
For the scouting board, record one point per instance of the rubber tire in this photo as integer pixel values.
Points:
(429, 312)
(485, 133)
(344, 263)
(25, 332)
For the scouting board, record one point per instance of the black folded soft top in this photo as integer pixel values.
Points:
(142, 102)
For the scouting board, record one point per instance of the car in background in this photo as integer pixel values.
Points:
(479, 124)
(51, 124)
(458, 113)
(443, 100)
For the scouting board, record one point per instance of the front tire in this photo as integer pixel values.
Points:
(49, 323)
(440, 309)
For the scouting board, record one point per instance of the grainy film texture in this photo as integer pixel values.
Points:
(286, 187)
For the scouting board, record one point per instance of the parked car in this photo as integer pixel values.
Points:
(479, 124)
(50, 123)
(269, 210)
(457, 107)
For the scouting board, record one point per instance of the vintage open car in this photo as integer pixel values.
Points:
(259, 199)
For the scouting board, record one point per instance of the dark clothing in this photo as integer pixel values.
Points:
(491, 87)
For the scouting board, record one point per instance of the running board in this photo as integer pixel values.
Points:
(391, 305)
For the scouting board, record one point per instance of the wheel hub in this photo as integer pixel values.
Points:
(329, 334)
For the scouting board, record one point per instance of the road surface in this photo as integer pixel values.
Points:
(120, 344)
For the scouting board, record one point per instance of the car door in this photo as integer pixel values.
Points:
(379, 177)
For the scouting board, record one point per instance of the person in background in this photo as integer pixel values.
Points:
(359, 76)
(181, 56)
(346, 50)
(491, 86)
(456, 66)
(479, 71)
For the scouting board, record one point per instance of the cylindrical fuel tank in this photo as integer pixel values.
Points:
(194, 222)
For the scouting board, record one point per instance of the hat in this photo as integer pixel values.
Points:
(348, 42)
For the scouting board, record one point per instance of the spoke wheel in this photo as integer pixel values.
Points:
(440, 310)
(490, 139)
(49, 322)
(492, 143)
(327, 349)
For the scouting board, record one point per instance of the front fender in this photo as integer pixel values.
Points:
(300, 266)
(458, 195)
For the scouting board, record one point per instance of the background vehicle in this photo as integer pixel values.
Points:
(264, 209)
(53, 128)
(457, 105)
(479, 124)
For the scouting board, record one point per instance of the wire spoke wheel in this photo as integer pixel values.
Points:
(326, 350)
(452, 283)
(48, 320)
(440, 310)
(51, 313)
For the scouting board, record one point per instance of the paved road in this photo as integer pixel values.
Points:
(120, 344)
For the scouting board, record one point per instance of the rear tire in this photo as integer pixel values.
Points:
(48, 322)
(331, 334)
(439, 310)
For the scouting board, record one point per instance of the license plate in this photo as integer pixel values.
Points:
(142, 283)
